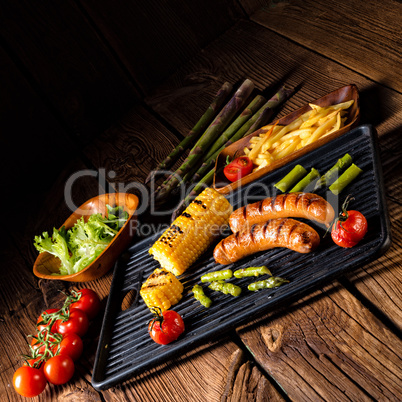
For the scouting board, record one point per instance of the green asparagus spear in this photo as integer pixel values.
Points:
(200, 148)
(330, 176)
(262, 117)
(201, 296)
(252, 271)
(217, 275)
(272, 282)
(226, 288)
(346, 178)
(196, 131)
(249, 111)
(305, 181)
(291, 178)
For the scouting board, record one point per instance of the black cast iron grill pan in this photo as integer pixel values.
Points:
(125, 348)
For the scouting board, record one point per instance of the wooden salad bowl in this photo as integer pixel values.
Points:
(46, 265)
(346, 93)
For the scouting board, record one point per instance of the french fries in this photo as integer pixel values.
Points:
(280, 141)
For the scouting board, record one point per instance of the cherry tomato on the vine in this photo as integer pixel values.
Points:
(77, 323)
(44, 318)
(88, 302)
(70, 345)
(238, 168)
(59, 369)
(29, 381)
(165, 327)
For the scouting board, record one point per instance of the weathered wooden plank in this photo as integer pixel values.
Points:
(360, 35)
(132, 147)
(20, 304)
(67, 62)
(18, 286)
(329, 347)
(250, 50)
(251, 6)
(153, 39)
(250, 385)
(378, 281)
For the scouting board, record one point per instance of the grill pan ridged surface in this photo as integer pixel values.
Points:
(125, 348)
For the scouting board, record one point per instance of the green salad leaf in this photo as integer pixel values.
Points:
(80, 245)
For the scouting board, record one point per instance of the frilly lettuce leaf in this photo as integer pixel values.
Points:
(56, 245)
(84, 242)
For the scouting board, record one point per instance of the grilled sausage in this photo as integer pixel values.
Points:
(295, 205)
(282, 232)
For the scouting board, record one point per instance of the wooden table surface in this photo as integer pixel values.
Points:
(343, 342)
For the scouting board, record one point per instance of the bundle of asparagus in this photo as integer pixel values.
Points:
(195, 132)
(220, 122)
(198, 168)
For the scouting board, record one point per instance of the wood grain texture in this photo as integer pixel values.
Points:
(131, 148)
(250, 384)
(67, 62)
(246, 51)
(251, 6)
(380, 281)
(153, 39)
(368, 36)
(329, 348)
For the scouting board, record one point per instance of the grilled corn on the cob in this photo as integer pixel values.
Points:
(192, 232)
(162, 289)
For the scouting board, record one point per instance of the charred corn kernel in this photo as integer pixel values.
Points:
(192, 232)
(162, 289)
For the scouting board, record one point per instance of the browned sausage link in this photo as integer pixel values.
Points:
(295, 205)
(282, 232)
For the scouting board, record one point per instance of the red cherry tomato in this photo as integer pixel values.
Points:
(59, 369)
(77, 323)
(238, 168)
(349, 229)
(166, 327)
(88, 302)
(44, 319)
(71, 345)
(29, 381)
